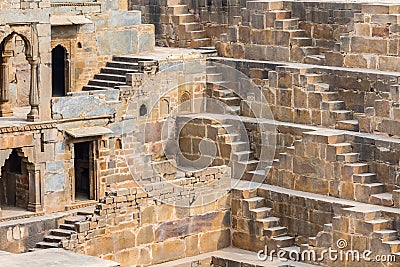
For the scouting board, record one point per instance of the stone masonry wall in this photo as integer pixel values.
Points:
(145, 231)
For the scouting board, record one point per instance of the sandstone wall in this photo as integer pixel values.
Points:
(133, 228)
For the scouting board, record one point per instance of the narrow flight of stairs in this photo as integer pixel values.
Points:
(223, 91)
(255, 209)
(337, 115)
(287, 33)
(113, 75)
(55, 238)
(189, 30)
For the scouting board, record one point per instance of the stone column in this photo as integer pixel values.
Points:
(33, 115)
(5, 108)
(34, 189)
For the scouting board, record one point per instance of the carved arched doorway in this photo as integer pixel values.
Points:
(60, 71)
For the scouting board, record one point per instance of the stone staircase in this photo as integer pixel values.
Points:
(223, 91)
(370, 223)
(276, 235)
(72, 225)
(333, 109)
(189, 31)
(113, 75)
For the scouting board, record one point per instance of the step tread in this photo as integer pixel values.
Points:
(393, 242)
(253, 199)
(261, 209)
(352, 122)
(63, 231)
(386, 231)
(282, 238)
(119, 69)
(276, 228)
(252, 161)
(376, 221)
(387, 196)
(47, 244)
(373, 184)
(243, 153)
(112, 75)
(98, 87)
(269, 219)
(55, 237)
(257, 172)
(348, 154)
(107, 81)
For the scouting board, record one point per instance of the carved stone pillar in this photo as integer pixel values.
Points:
(34, 91)
(5, 108)
(34, 189)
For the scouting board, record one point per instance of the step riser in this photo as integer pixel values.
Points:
(110, 78)
(120, 65)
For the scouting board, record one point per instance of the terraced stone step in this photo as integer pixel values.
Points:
(394, 245)
(260, 213)
(190, 26)
(333, 105)
(384, 199)
(183, 18)
(275, 231)
(365, 191)
(110, 77)
(177, 9)
(122, 65)
(231, 100)
(348, 157)
(198, 34)
(249, 165)
(256, 175)
(339, 148)
(322, 87)
(222, 128)
(315, 60)
(348, 125)
(105, 83)
(340, 115)
(377, 225)
(301, 41)
(54, 238)
(67, 226)
(95, 88)
(75, 219)
(117, 71)
(223, 93)
(364, 178)
(328, 96)
(228, 138)
(253, 203)
(200, 42)
(386, 235)
(62, 232)
(287, 24)
(268, 222)
(284, 241)
(47, 245)
(311, 79)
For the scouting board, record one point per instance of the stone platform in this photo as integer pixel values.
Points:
(53, 257)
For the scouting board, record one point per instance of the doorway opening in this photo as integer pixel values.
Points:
(59, 71)
(14, 186)
(84, 172)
